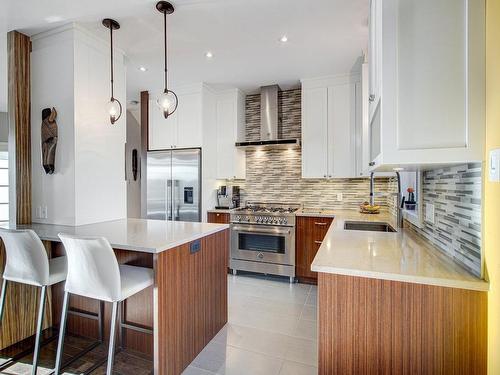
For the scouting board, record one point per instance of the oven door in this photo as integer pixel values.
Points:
(270, 244)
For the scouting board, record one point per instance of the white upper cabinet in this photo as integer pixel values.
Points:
(230, 119)
(330, 113)
(429, 71)
(315, 132)
(183, 129)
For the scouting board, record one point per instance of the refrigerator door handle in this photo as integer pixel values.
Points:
(169, 199)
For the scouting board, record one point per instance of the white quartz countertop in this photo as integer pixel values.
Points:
(402, 256)
(149, 236)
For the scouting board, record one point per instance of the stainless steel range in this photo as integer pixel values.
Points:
(263, 238)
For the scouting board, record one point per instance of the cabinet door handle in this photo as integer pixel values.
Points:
(218, 214)
(322, 224)
(371, 164)
(318, 242)
(371, 98)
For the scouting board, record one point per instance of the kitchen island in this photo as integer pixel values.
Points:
(172, 321)
(393, 303)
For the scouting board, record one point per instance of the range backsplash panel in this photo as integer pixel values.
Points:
(275, 175)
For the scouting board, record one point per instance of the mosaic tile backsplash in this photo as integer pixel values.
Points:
(275, 175)
(455, 193)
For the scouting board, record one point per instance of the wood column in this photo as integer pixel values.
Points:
(21, 301)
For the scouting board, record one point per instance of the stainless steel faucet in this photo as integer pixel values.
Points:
(399, 219)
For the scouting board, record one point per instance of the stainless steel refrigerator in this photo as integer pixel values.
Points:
(174, 185)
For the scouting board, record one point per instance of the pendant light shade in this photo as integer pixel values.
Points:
(114, 107)
(167, 101)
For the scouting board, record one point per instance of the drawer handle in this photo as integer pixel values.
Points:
(218, 214)
(322, 224)
(318, 242)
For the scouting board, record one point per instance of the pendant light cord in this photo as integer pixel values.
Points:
(165, 45)
(111, 34)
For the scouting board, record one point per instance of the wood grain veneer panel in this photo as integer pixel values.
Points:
(218, 217)
(192, 300)
(370, 326)
(309, 232)
(19, 89)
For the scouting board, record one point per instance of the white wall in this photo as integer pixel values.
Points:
(70, 71)
(100, 186)
(133, 187)
(209, 152)
(52, 85)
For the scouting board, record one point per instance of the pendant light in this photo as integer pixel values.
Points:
(167, 101)
(114, 107)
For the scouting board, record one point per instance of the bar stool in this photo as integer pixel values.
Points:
(27, 263)
(94, 272)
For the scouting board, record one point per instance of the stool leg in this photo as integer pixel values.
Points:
(100, 321)
(112, 334)
(62, 329)
(2, 299)
(39, 328)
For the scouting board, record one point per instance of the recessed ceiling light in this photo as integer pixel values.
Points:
(143, 69)
(209, 55)
(284, 39)
(53, 19)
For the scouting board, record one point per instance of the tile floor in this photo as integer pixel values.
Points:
(271, 331)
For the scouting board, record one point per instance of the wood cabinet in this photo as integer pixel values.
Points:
(183, 129)
(373, 326)
(230, 113)
(427, 79)
(331, 110)
(310, 232)
(218, 217)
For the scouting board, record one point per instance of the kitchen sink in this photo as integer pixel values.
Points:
(368, 226)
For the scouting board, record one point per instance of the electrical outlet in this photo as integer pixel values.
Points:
(38, 212)
(340, 197)
(429, 213)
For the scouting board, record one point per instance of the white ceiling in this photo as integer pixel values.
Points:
(325, 37)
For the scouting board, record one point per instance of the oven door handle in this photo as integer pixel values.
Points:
(261, 230)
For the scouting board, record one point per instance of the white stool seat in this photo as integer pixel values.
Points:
(134, 279)
(27, 263)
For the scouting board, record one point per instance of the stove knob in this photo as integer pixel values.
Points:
(284, 221)
(280, 220)
(238, 218)
(266, 219)
(258, 219)
(248, 218)
(275, 221)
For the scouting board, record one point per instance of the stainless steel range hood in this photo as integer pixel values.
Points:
(270, 132)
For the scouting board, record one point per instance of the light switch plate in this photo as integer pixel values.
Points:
(494, 165)
(429, 213)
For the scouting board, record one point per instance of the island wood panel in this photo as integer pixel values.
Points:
(21, 307)
(192, 300)
(310, 232)
(138, 308)
(218, 217)
(371, 326)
